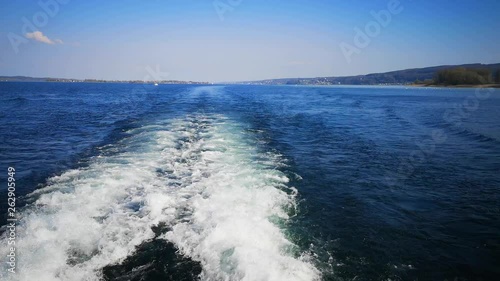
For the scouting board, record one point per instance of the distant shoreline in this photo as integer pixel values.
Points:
(456, 86)
(425, 77)
(482, 86)
(39, 80)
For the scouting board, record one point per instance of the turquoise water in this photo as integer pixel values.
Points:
(179, 182)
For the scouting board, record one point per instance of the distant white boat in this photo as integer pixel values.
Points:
(156, 84)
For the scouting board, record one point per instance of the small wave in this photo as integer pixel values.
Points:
(392, 115)
(477, 136)
(357, 104)
(15, 101)
(467, 133)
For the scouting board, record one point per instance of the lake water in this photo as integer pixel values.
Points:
(185, 182)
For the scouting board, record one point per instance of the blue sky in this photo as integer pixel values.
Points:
(240, 39)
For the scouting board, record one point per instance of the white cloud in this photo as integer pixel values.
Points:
(38, 36)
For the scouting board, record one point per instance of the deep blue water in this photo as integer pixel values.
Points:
(180, 182)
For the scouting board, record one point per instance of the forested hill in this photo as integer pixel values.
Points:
(406, 76)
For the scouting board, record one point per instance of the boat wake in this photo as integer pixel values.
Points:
(223, 200)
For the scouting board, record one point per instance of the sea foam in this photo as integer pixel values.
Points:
(224, 200)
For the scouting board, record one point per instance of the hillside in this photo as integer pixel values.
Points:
(406, 76)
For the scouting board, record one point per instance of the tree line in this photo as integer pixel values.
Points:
(467, 76)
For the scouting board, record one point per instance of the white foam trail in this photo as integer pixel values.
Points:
(200, 175)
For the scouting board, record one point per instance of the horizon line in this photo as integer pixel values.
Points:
(248, 81)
